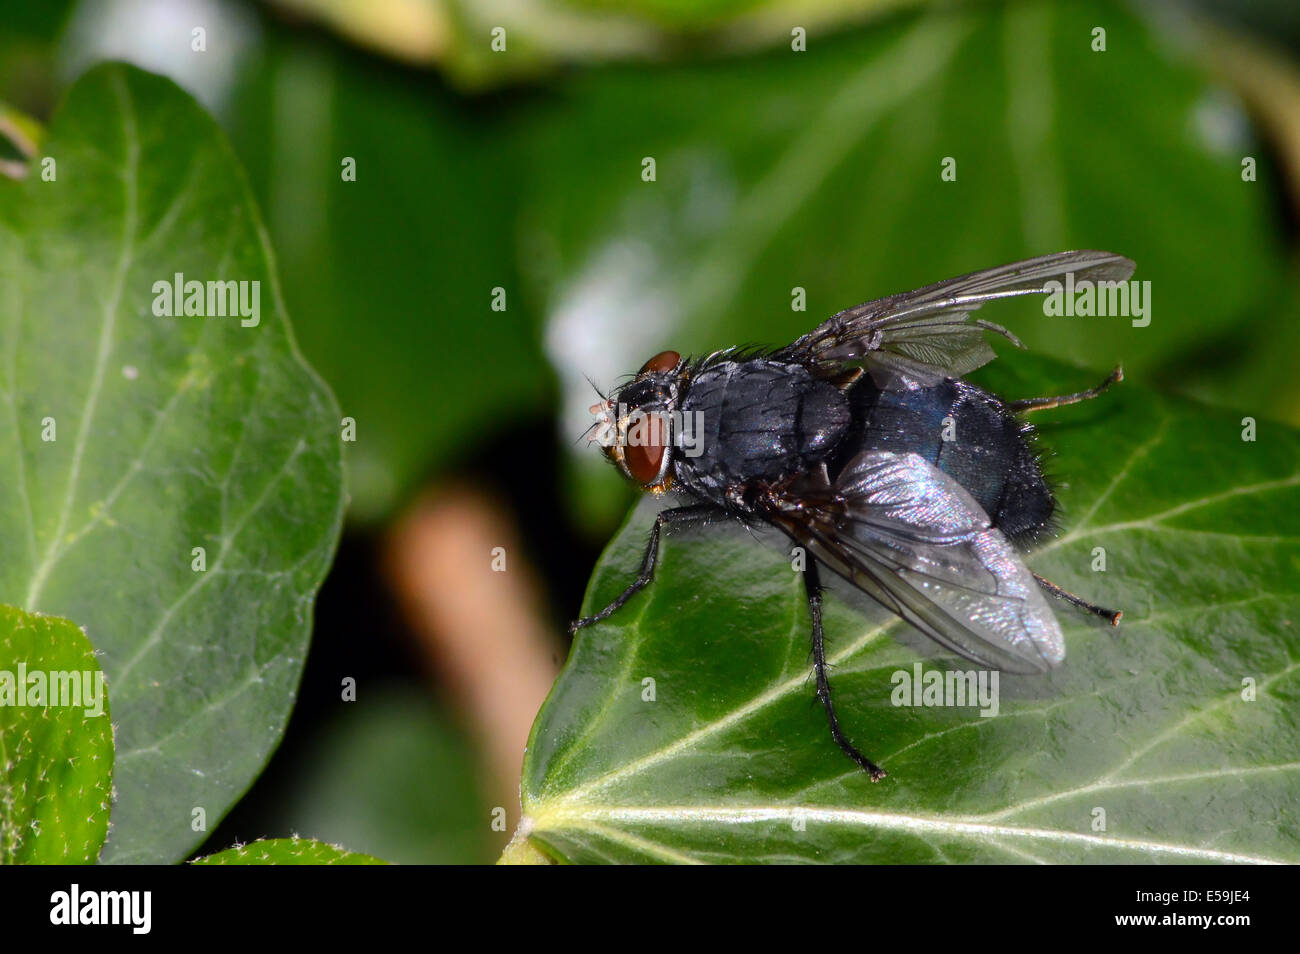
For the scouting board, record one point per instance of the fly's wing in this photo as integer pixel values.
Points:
(929, 333)
(912, 538)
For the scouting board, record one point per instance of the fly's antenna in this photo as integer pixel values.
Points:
(604, 399)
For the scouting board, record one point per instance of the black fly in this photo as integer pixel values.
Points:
(862, 443)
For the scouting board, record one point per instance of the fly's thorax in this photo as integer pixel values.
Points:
(760, 419)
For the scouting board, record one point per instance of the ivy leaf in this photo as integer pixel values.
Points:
(1170, 739)
(172, 483)
(288, 851)
(56, 758)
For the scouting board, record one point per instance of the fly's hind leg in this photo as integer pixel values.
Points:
(673, 517)
(1042, 404)
(1108, 614)
(812, 584)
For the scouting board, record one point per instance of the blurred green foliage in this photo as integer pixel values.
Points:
(823, 172)
(817, 170)
(392, 777)
(393, 274)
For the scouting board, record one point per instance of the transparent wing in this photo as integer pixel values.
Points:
(929, 333)
(912, 538)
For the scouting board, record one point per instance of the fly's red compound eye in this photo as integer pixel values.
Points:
(644, 453)
(663, 361)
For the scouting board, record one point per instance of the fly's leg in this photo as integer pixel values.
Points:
(812, 584)
(675, 516)
(1043, 403)
(1079, 601)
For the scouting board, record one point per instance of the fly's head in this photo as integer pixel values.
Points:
(634, 425)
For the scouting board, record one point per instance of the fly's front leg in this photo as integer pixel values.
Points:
(1044, 403)
(1111, 615)
(676, 516)
(812, 584)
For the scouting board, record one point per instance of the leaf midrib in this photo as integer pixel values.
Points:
(130, 214)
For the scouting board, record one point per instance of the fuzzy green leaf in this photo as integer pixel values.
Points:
(288, 851)
(56, 758)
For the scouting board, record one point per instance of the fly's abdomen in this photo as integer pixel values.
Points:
(758, 419)
(968, 435)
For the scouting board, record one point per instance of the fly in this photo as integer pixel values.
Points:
(862, 443)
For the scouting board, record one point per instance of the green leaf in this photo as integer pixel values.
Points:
(56, 758)
(134, 439)
(1150, 722)
(288, 851)
(822, 171)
